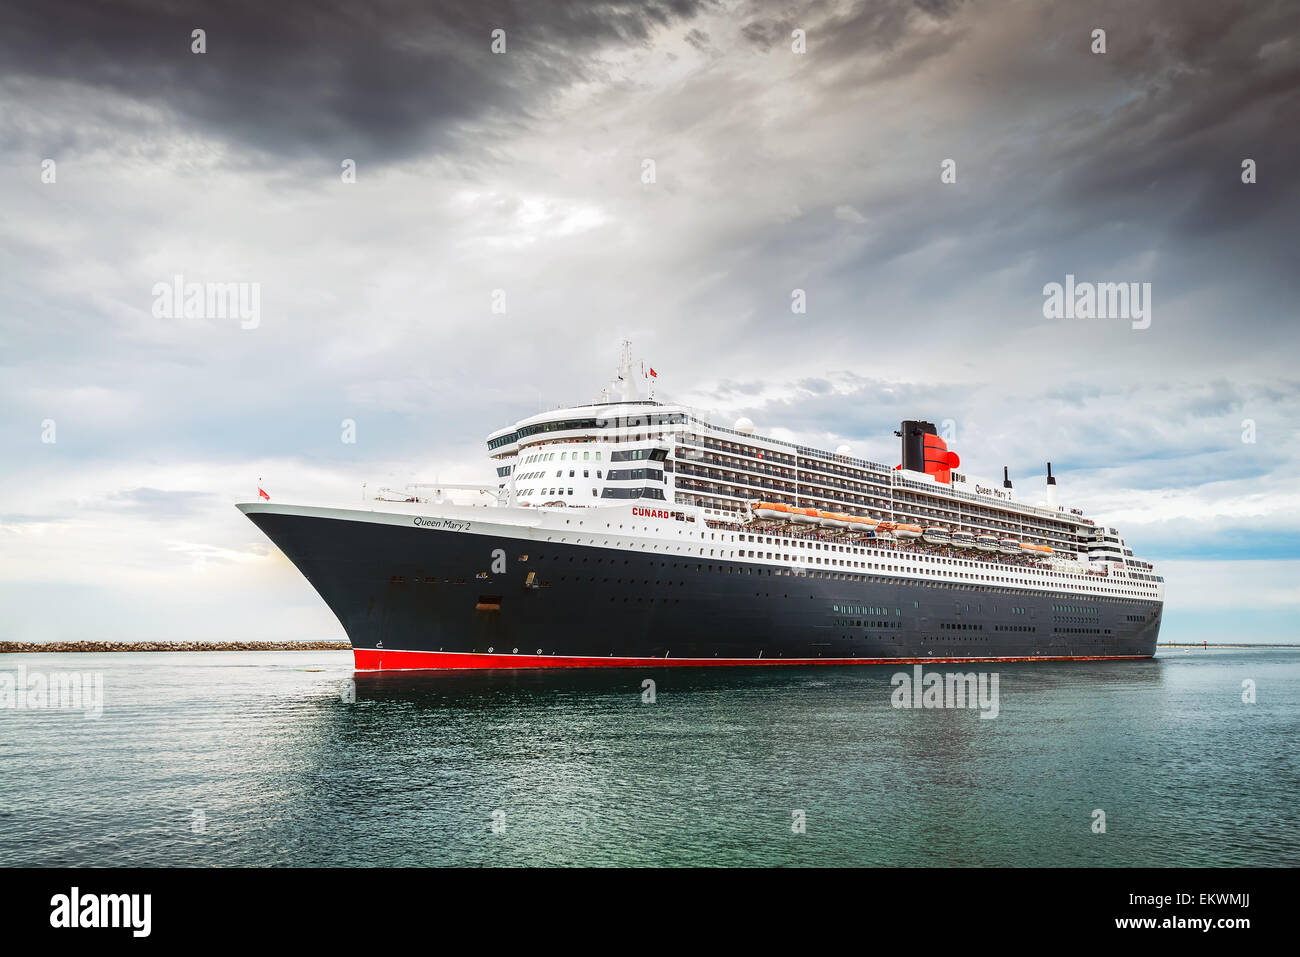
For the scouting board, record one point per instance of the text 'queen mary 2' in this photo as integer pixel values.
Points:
(628, 532)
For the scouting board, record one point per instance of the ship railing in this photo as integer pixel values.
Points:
(797, 532)
(393, 495)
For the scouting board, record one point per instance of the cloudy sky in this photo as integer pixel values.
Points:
(127, 159)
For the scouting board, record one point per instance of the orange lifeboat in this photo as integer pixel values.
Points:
(775, 511)
(833, 519)
(907, 531)
(805, 516)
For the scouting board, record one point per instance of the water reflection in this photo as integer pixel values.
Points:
(578, 767)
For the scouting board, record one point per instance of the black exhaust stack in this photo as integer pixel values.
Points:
(913, 435)
(1050, 479)
(1006, 479)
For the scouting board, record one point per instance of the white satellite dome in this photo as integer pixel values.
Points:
(745, 425)
(842, 450)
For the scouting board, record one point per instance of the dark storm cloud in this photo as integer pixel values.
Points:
(763, 33)
(1211, 85)
(1124, 165)
(298, 78)
(698, 39)
(866, 25)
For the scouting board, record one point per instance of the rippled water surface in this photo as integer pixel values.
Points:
(257, 758)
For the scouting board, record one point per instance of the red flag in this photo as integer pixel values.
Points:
(653, 373)
(262, 494)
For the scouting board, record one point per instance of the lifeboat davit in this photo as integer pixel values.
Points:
(936, 536)
(986, 543)
(963, 539)
(1009, 546)
(771, 510)
(907, 531)
(804, 516)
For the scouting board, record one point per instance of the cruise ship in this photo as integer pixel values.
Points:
(630, 532)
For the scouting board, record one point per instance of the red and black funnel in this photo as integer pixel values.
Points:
(924, 451)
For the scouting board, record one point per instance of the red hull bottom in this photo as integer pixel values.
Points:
(368, 659)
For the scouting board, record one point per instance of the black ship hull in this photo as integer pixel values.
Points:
(426, 593)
